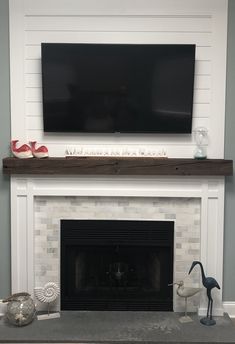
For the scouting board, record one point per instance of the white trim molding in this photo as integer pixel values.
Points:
(209, 190)
(229, 307)
(3, 307)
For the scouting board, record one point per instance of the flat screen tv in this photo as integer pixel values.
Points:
(127, 88)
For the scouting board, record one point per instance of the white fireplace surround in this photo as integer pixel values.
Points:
(210, 191)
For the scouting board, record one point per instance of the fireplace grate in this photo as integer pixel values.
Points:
(117, 304)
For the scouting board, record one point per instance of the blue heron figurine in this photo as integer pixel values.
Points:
(209, 283)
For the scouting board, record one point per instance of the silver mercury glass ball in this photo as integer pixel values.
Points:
(20, 310)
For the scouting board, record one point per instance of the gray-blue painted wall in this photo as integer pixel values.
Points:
(4, 151)
(229, 240)
(229, 265)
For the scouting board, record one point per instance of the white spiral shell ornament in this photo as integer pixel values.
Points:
(48, 293)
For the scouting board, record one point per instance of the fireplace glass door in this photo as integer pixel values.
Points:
(116, 265)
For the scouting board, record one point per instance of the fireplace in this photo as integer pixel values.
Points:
(116, 265)
(185, 213)
(194, 204)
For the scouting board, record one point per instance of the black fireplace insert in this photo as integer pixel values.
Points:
(116, 265)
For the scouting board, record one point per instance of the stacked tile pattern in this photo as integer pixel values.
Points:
(185, 212)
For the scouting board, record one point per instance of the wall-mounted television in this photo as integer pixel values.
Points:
(126, 88)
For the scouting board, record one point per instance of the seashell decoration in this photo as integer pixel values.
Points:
(48, 293)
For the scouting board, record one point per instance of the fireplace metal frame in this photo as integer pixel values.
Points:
(157, 236)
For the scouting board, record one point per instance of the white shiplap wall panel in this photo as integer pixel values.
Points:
(118, 23)
(198, 38)
(34, 80)
(203, 68)
(33, 109)
(201, 82)
(129, 21)
(123, 7)
(202, 96)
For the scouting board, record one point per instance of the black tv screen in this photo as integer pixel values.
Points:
(127, 88)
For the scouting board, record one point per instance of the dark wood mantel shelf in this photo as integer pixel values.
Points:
(118, 166)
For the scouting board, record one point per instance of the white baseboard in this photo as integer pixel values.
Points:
(217, 311)
(2, 308)
(229, 307)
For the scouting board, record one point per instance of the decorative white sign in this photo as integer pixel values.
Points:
(115, 151)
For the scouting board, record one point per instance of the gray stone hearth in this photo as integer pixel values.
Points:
(120, 327)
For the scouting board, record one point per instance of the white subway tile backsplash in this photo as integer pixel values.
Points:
(184, 212)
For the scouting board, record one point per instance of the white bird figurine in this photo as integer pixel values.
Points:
(47, 294)
(185, 292)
